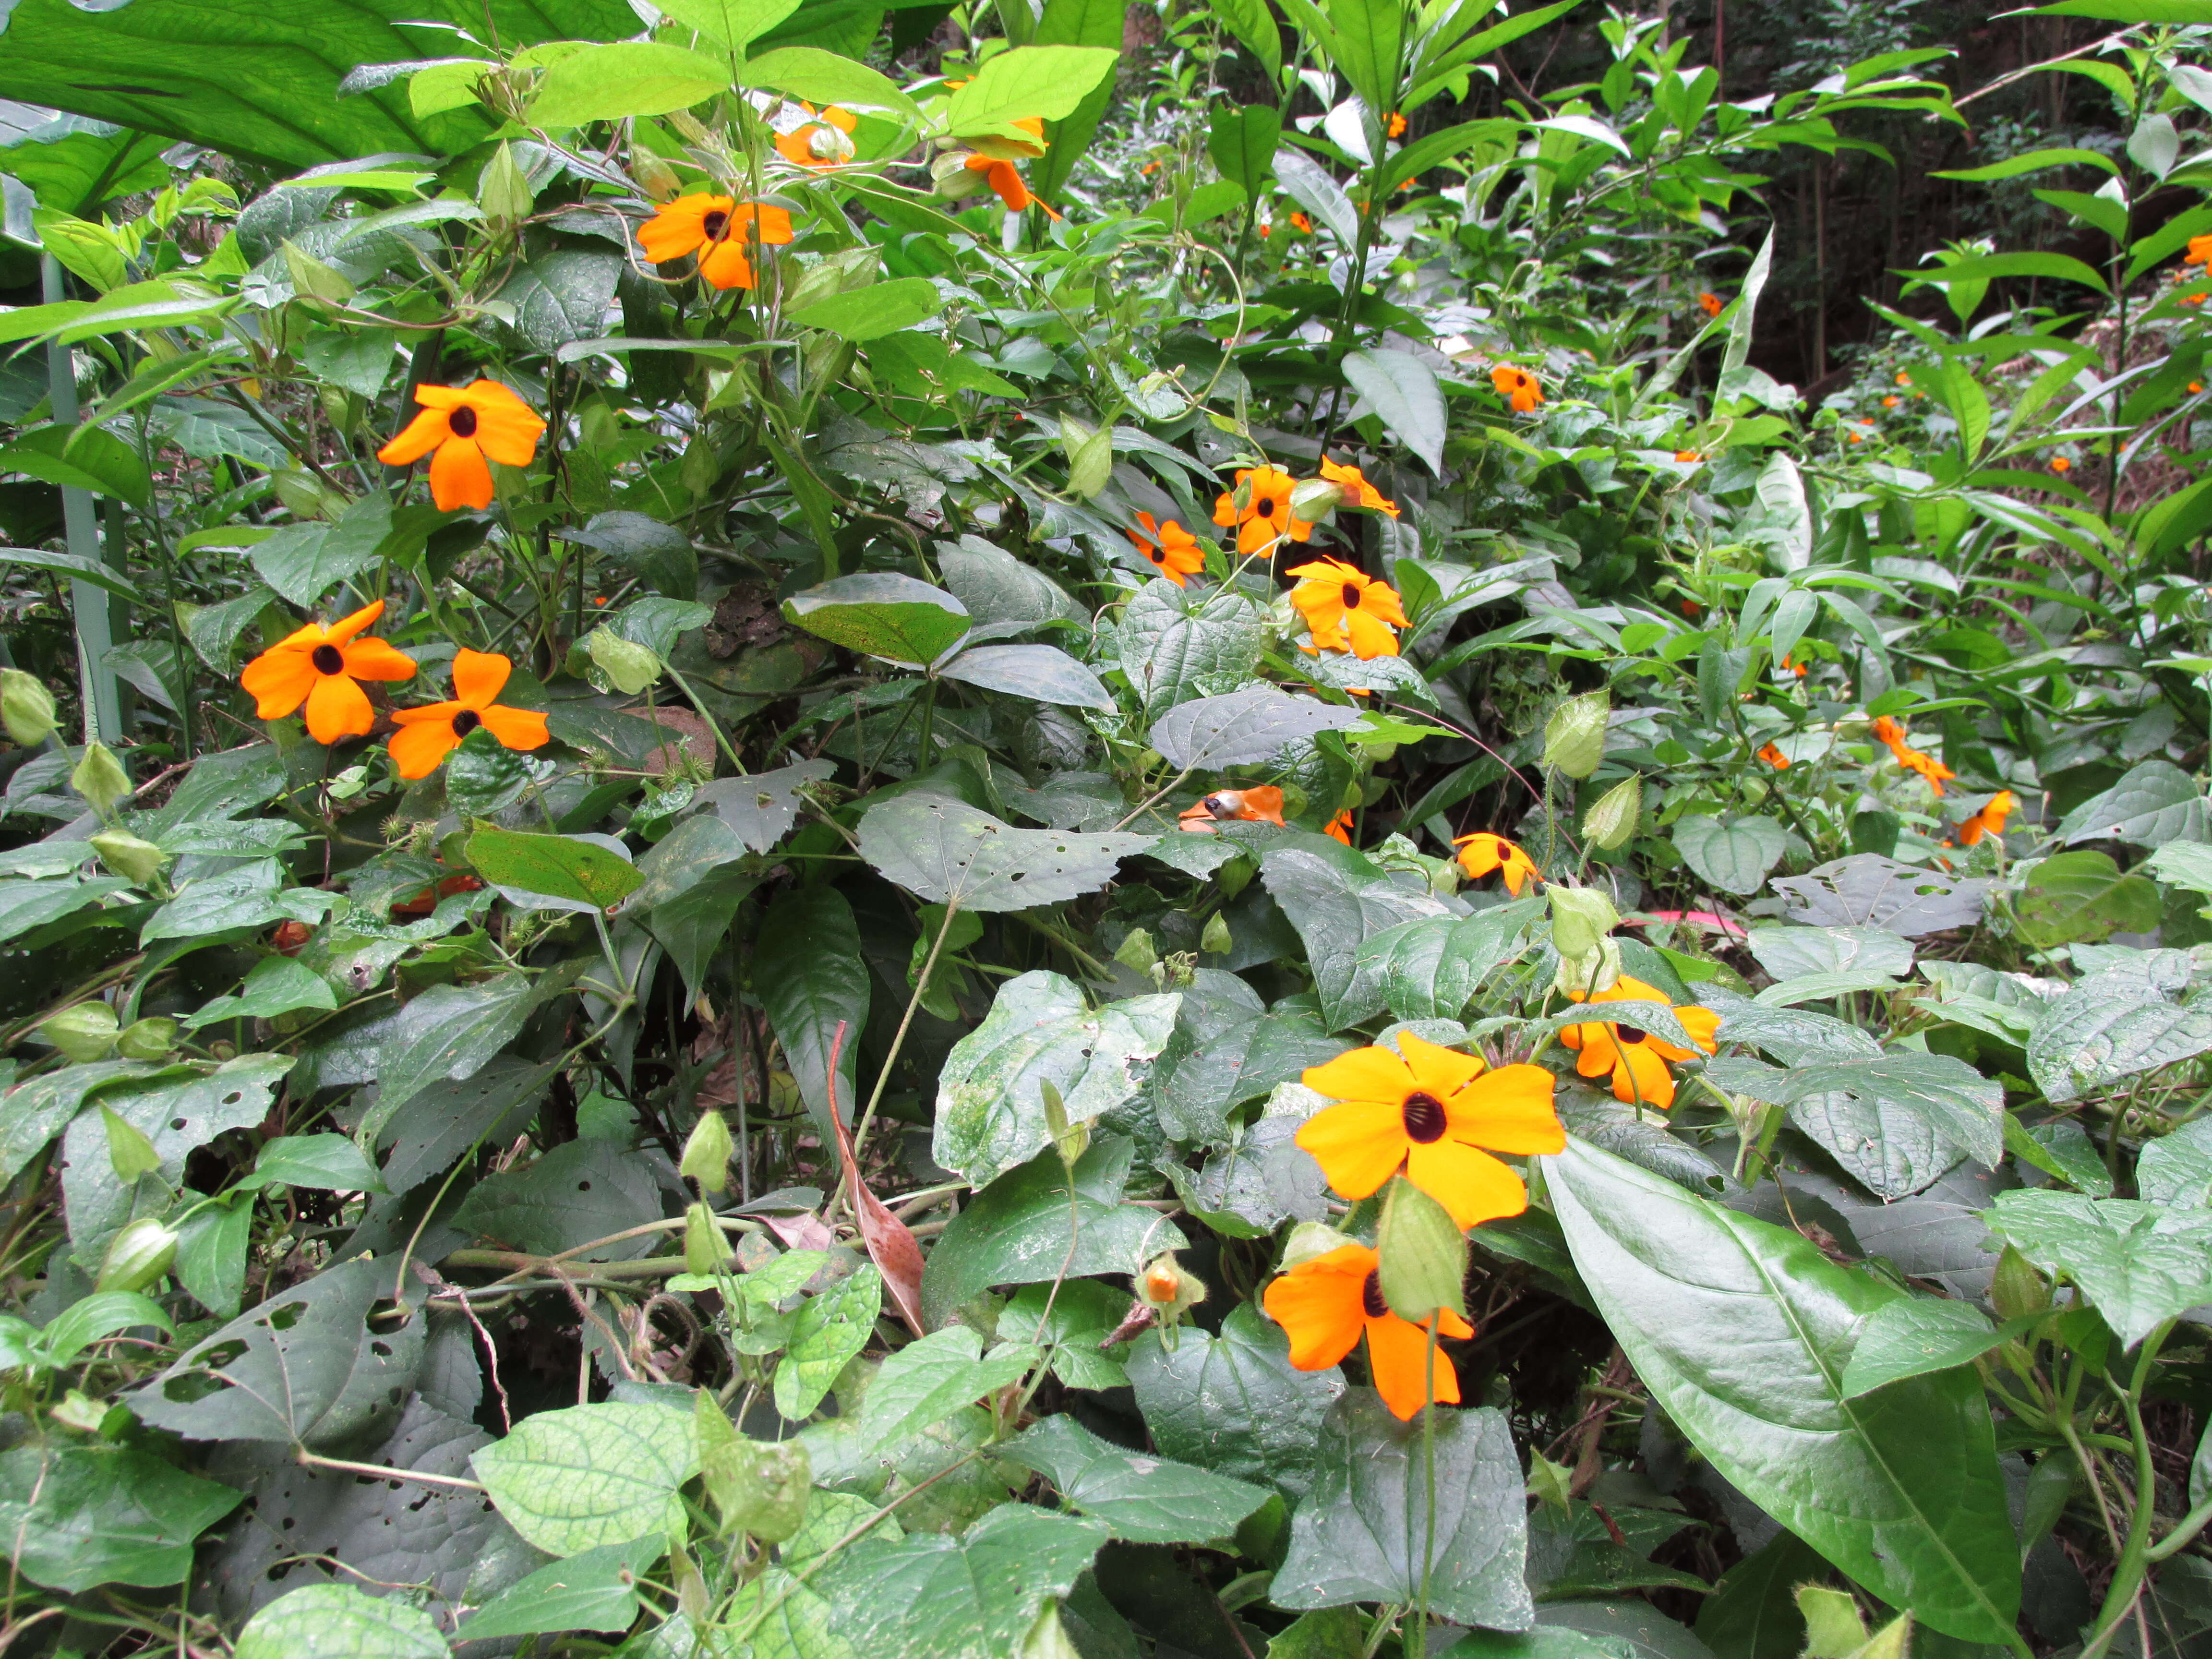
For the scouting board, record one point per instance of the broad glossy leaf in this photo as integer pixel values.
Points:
(421, 1137)
(1363, 1533)
(1431, 968)
(1042, 673)
(580, 1191)
(809, 976)
(593, 1589)
(998, 588)
(562, 297)
(1753, 1611)
(660, 554)
(2176, 1168)
(28, 904)
(2155, 803)
(303, 562)
(1746, 1353)
(990, 1109)
(882, 614)
(629, 77)
(925, 1382)
(567, 867)
(340, 1621)
(78, 1515)
(680, 860)
(1734, 854)
(1178, 643)
(1029, 81)
(1243, 728)
(1918, 1335)
(1015, 1231)
(450, 1032)
(2141, 1263)
(825, 77)
(328, 1162)
(868, 313)
(2106, 1030)
(1869, 890)
(1227, 1053)
(1234, 1403)
(2083, 897)
(1145, 1500)
(1336, 906)
(1396, 386)
(99, 1315)
(949, 852)
(1913, 1107)
(576, 1479)
(275, 984)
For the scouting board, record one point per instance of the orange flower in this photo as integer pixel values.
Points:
(1688, 457)
(1357, 492)
(2061, 465)
(1990, 820)
(1436, 1112)
(466, 426)
(1903, 378)
(1327, 1304)
(1266, 231)
(1775, 758)
(1888, 731)
(319, 667)
(1478, 854)
(1891, 401)
(1885, 730)
(1006, 180)
(1866, 420)
(2192, 299)
(827, 142)
(2197, 385)
(2199, 251)
(1263, 804)
(1339, 827)
(427, 901)
(289, 937)
(1346, 609)
(1265, 518)
(1710, 304)
(1793, 666)
(1160, 1283)
(1855, 437)
(428, 734)
(1517, 387)
(717, 230)
(1175, 552)
(1302, 224)
(1396, 127)
(1638, 1060)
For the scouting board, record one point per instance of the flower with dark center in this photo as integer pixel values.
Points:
(1483, 852)
(462, 429)
(427, 735)
(319, 667)
(1347, 609)
(719, 230)
(1636, 1059)
(1326, 1304)
(1174, 551)
(1354, 490)
(1264, 517)
(827, 142)
(1439, 1115)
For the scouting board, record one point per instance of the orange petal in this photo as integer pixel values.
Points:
(1510, 1111)
(478, 676)
(459, 477)
(1442, 1071)
(1318, 1306)
(417, 749)
(1398, 1354)
(337, 708)
(1358, 1144)
(725, 266)
(517, 728)
(419, 436)
(1468, 1182)
(278, 681)
(1370, 638)
(346, 627)
(1370, 1073)
(375, 659)
(1641, 1077)
(429, 711)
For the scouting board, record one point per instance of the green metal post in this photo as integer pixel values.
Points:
(95, 633)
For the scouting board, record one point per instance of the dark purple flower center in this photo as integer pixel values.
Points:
(466, 722)
(1371, 1295)
(462, 421)
(328, 660)
(1159, 555)
(1425, 1118)
(1265, 507)
(716, 224)
(1632, 1033)
(1351, 596)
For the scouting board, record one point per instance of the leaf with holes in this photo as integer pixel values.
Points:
(1869, 890)
(574, 1479)
(762, 807)
(578, 1192)
(949, 852)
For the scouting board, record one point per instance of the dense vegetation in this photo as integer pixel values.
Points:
(1161, 832)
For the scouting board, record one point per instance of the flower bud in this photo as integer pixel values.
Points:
(136, 860)
(1071, 1137)
(1597, 969)
(704, 1252)
(1167, 1287)
(26, 707)
(147, 1039)
(2017, 1289)
(101, 779)
(707, 1152)
(624, 665)
(128, 1153)
(137, 1256)
(656, 179)
(1612, 820)
(86, 1032)
(1217, 940)
(1137, 952)
(1311, 497)
(1581, 916)
(504, 189)
(1424, 1254)
(1048, 1638)
(1574, 738)
(1308, 1240)
(952, 177)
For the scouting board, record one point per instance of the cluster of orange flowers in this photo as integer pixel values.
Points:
(1887, 731)
(322, 667)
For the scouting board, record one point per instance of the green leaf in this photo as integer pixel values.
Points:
(2176, 1168)
(451, 1031)
(870, 312)
(1435, 149)
(576, 1479)
(1041, 1032)
(1917, 1335)
(1029, 81)
(1252, 24)
(561, 295)
(1083, 1313)
(1243, 728)
(1896, 1120)
(1145, 1500)
(934, 1596)
(948, 852)
(660, 554)
(828, 1335)
(329, 1162)
(102, 1314)
(1734, 854)
(580, 1191)
(810, 974)
(594, 1590)
(301, 1368)
(28, 904)
(1432, 968)
(76, 166)
(1753, 1611)
(2034, 160)
(337, 1622)
(882, 614)
(1311, 186)
(1015, 1231)
(629, 77)
(1234, 1403)
(1042, 673)
(96, 460)
(826, 77)
(424, 1135)
(275, 985)
(76, 566)
(304, 562)
(1987, 267)
(2131, 11)
(1338, 902)
(2083, 897)
(729, 22)
(2155, 803)
(559, 866)
(79, 1516)
(928, 1381)
(2141, 1264)
(1369, 40)
(1748, 1357)
(1241, 141)
(1364, 1534)
(1174, 642)
(1403, 392)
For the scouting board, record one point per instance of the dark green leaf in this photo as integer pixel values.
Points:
(79, 1516)
(328, 1162)
(2081, 898)
(2155, 803)
(1145, 1500)
(1178, 643)
(1243, 728)
(949, 852)
(1042, 673)
(1234, 1403)
(578, 1191)
(1734, 854)
(882, 614)
(810, 977)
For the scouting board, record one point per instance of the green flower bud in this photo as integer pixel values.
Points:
(1137, 952)
(707, 1152)
(314, 280)
(147, 1039)
(26, 707)
(1596, 969)
(129, 1151)
(1048, 1638)
(1167, 1287)
(504, 189)
(757, 1488)
(1217, 940)
(1424, 1253)
(86, 1032)
(136, 860)
(1311, 497)
(1071, 1137)
(137, 1256)
(703, 1249)
(1612, 820)
(1581, 916)
(2017, 1289)
(1574, 738)
(101, 779)
(624, 665)
(1308, 1240)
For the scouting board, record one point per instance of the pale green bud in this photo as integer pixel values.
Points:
(1311, 497)
(136, 860)
(86, 1032)
(2017, 1289)
(1574, 738)
(312, 279)
(707, 1152)
(1424, 1253)
(1596, 969)
(101, 779)
(1137, 952)
(703, 1250)
(137, 1256)
(1833, 1628)
(1309, 1239)
(1612, 820)
(26, 707)
(1071, 1137)
(147, 1039)
(1581, 916)
(504, 189)
(626, 666)
(1217, 940)
(1048, 1638)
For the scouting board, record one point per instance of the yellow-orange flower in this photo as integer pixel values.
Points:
(1517, 387)
(1775, 758)
(2061, 465)
(1638, 1060)
(1339, 827)
(1327, 1304)
(1395, 128)
(1007, 181)
(1891, 401)
(1302, 224)
(1688, 456)
(717, 230)
(467, 427)
(1903, 378)
(427, 735)
(1357, 491)
(319, 667)
(827, 142)
(1347, 610)
(1174, 551)
(1887, 731)
(1480, 853)
(1265, 518)
(1709, 303)
(1437, 1113)
(1990, 820)
(1261, 804)
(2199, 251)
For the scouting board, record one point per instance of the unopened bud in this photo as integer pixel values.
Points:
(503, 188)
(703, 1250)
(101, 779)
(137, 1256)
(656, 179)
(1612, 820)
(150, 1038)
(624, 665)
(136, 860)
(1596, 969)
(1424, 1252)
(1581, 916)
(1217, 940)
(1137, 952)
(1048, 1638)
(1311, 497)
(1309, 1239)
(1167, 1287)
(128, 1153)
(707, 1152)
(1574, 738)
(86, 1032)
(312, 279)
(2017, 1289)
(26, 707)
(1071, 1137)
